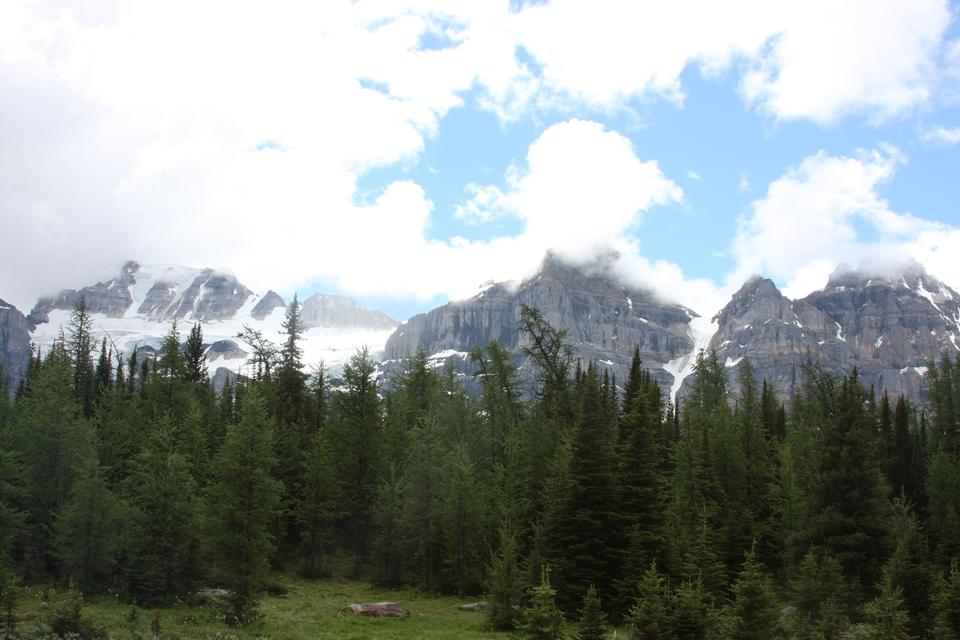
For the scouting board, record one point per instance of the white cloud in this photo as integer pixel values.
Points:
(818, 60)
(814, 217)
(943, 135)
(693, 175)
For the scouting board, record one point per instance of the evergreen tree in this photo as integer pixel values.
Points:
(316, 508)
(355, 439)
(649, 618)
(848, 496)
(462, 523)
(89, 529)
(586, 524)
(196, 357)
(887, 618)
(946, 605)
(241, 504)
(908, 569)
(592, 619)
(504, 581)
(754, 605)
(164, 558)
(691, 616)
(80, 351)
(543, 620)
(52, 439)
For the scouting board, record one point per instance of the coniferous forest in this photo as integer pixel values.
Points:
(584, 505)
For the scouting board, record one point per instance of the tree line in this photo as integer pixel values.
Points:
(585, 497)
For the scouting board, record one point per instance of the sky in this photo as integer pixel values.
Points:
(406, 152)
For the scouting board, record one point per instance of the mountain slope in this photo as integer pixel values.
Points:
(135, 309)
(887, 326)
(14, 343)
(604, 320)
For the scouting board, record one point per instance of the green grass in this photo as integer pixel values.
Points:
(309, 609)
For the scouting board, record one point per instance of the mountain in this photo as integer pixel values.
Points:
(604, 320)
(888, 326)
(14, 343)
(135, 309)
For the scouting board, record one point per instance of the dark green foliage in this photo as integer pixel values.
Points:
(316, 507)
(89, 529)
(754, 607)
(848, 497)
(355, 442)
(886, 616)
(505, 581)
(164, 544)
(691, 617)
(542, 620)
(241, 504)
(592, 619)
(196, 357)
(585, 526)
(908, 569)
(649, 618)
(946, 605)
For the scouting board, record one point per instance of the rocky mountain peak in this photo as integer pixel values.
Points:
(270, 301)
(331, 310)
(14, 343)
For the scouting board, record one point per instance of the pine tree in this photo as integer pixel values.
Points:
(946, 606)
(586, 524)
(164, 559)
(848, 496)
(592, 619)
(649, 618)
(52, 439)
(887, 618)
(690, 617)
(356, 446)
(196, 357)
(241, 503)
(754, 605)
(504, 581)
(316, 507)
(908, 568)
(543, 620)
(89, 529)
(80, 351)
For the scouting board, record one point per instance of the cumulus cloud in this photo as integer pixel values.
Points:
(233, 134)
(943, 135)
(818, 60)
(816, 214)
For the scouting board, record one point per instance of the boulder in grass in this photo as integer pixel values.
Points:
(378, 609)
(474, 606)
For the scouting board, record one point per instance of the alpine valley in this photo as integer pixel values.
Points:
(889, 326)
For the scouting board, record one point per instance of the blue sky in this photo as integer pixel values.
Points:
(406, 152)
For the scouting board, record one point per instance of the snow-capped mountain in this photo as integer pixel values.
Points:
(135, 309)
(888, 326)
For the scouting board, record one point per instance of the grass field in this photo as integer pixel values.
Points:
(309, 609)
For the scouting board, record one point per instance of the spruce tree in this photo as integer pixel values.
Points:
(690, 613)
(355, 441)
(241, 504)
(946, 605)
(196, 357)
(80, 351)
(592, 619)
(649, 618)
(504, 581)
(164, 559)
(586, 524)
(89, 529)
(543, 620)
(316, 507)
(754, 605)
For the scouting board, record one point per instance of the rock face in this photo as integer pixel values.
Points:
(604, 320)
(328, 310)
(270, 301)
(202, 295)
(111, 298)
(887, 326)
(14, 343)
